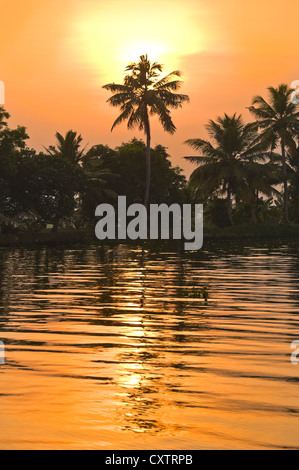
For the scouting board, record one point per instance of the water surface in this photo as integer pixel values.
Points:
(109, 348)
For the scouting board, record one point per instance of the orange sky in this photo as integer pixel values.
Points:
(56, 54)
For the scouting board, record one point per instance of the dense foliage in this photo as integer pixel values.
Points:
(245, 173)
(63, 185)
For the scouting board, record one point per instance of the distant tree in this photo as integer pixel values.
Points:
(99, 178)
(12, 149)
(143, 94)
(3, 116)
(216, 212)
(47, 187)
(68, 147)
(259, 179)
(228, 159)
(128, 166)
(294, 188)
(278, 121)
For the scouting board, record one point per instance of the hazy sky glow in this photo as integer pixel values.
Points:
(56, 54)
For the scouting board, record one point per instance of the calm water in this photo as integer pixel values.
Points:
(105, 349)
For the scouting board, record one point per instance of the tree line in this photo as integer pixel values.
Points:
(244, 171)
(248, 162)
(240, 162)
(63, 185)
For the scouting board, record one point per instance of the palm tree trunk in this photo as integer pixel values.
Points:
(285, 183)
(229, 206)
(148, 163)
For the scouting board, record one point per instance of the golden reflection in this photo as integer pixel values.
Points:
(140, 405)
(140, 373)
(103, 350)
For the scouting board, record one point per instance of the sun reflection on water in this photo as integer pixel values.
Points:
(105, 345)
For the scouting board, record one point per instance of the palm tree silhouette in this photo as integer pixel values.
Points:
(278, 121)
(259, 178)
(226, 162)
(143, 94)
(68, 147)
(97, 173)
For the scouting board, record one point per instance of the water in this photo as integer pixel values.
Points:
(109, 348)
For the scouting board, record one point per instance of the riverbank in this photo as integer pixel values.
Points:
(71, 237)
(63, 237)
(256, 231)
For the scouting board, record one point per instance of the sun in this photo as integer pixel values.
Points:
(132, 50)
(108, 42)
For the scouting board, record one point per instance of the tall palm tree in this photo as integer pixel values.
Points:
(68, 147)
(223, 165)
(278, 122)
(143, 94)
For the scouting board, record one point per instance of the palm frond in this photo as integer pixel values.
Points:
(144, 92)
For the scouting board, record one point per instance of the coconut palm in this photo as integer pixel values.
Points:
(98, 179)
(142, 94)
(68, 147)
(278, 122)
(223, 165)
(259, 178)
(97, 173)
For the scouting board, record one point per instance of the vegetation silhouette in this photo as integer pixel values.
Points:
(68, 147)
(143, 94)
(231, 163)
(244, 170)
(279, 123)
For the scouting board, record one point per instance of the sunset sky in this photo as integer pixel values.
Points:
(56, 55)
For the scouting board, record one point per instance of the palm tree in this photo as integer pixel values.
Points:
(68, 147)
(98, 178)
(143, 94)
(223, 165)
(278, 121)
(259, 178)
(97, 173)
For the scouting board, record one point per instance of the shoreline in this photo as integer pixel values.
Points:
(73, 237)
